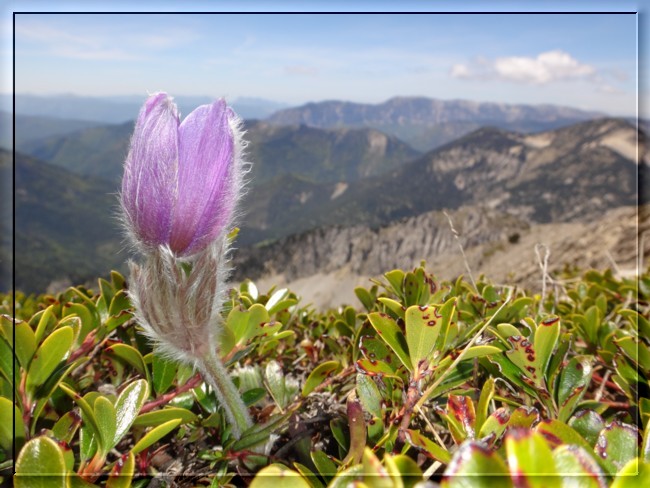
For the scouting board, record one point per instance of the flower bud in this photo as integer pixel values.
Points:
(182, 180)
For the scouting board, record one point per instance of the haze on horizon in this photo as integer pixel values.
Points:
(585, 61)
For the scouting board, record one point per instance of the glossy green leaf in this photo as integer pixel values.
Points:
(277, 475)
(634, 474)
(40, 464)
(530, 459)
(319, 374)
(122, 472)
(52, 351)
(577, 464)
(7, 367)
(89, 321)
(105, 417)
(25, 344)
(390, 332)
(473, 465)
(617, 444)
(588, 424)
(129, 354)
(88, 414)
(557, 433)
(9, 411)
(45, 320)
(128, 405)
(155, 434)
(158, 417)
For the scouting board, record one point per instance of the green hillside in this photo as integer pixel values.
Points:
(65, 224)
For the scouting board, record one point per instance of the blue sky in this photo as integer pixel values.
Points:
(586, 61)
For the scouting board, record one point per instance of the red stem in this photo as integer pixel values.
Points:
(167, 397)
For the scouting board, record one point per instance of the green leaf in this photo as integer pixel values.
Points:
(588, 424)
(308, 475)
(88, 412)
(89, 321)
(131, 355)
(161, 416)
(7, 412)
(155, 434)
(66, 427)
(373, 367)
(276, 475)
(487, 392)
(546, 336)
(427, 447)
(128, 404)
(557, 433)
(40, 464)
(105, 416)
(7, 361)
(46, 318)
(122, 472)
(617, 444)
(25, 344)
(369, 395)
(473, 465)
(574, 381)
(576, 463)
(390, 332)
(634, 474)
(403, 470)
(423, 325)
(325, 466)
(163, 373)
(318, 375)
(524, 356)
(530, 459)
(52, 351)
(397, 308)
(396, 280)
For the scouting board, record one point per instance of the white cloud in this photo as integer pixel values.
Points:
(546, 67)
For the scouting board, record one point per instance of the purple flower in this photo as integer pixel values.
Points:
(182, 180)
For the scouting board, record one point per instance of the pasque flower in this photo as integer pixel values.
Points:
(181, 184)
(182, 180)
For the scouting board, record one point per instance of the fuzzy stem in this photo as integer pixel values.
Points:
(216, 375)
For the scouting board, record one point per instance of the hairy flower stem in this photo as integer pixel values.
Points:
(216, 375)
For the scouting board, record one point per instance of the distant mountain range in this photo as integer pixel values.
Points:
(119, 109)
(426, 123)
(574, 173)
(308, 179)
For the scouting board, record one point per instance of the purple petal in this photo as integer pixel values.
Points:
(150, 171)
(206, 197)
